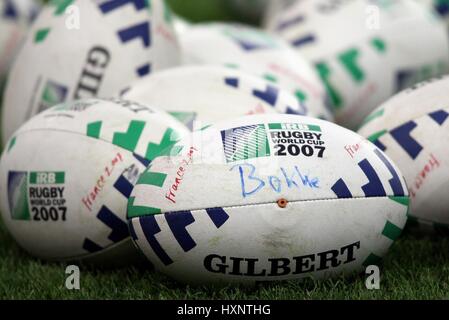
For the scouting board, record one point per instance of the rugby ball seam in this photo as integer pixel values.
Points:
(391, 197)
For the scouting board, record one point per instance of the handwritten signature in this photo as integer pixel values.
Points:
(251, 182)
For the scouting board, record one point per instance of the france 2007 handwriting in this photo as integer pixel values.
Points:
(251, 182)
(179, 177)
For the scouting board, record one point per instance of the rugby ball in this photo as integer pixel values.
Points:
(202, 95)
(365, 51)
(82, 49)
(275, 7)
(441, 7)
(268, 197)
(15, 17)
(413, 129)
(66, 175)
(256, 52)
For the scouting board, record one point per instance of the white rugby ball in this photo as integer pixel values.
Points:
(15, 18)
(180, 24)
(268, 197)
(82, 49)
(275, 7)
(257, 52)
(413, 129)
(202, 95)
(367, 50)
(66, 175)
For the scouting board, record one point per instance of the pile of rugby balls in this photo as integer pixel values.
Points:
(210, 148)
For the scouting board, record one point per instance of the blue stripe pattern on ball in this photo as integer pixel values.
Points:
(178, 221)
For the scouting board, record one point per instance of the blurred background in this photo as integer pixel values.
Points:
(208, 10)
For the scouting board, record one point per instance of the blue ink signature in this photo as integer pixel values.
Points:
(251, 183)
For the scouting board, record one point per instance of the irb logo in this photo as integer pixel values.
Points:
(243, 143)
(294, 126)
(47, 177)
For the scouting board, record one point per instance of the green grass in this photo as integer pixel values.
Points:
(206, 10)
(202, 10)
(416, 268)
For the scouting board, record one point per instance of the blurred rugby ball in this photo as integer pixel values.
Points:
(413, 129)
(256, 52)
(15, 18)
(268, 197)
(82, 49)
(66, 175)
(365, 51)
(208, 94)
(274, 7)
(180, 24)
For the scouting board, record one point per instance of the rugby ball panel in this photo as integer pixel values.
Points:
(268, 193)
(410, 128)
(377, 60)
(412, 103)
(263, 242)
(259, 159)
(213, 93)
(146, 131)
(78, 55)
